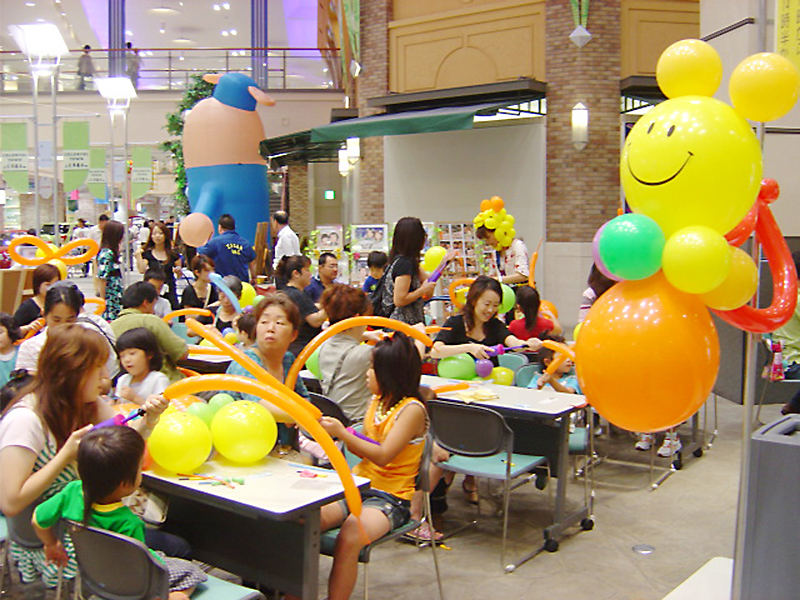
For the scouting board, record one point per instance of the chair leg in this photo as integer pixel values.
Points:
(428, 517)
(506, 495)
(366, 581)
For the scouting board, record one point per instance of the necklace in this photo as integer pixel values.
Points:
(380, 415)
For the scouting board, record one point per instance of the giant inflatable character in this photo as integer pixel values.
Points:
(224, 171)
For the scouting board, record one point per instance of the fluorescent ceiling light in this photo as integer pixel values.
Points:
(39, 41)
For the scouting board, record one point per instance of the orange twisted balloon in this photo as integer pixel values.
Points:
(344, 325)
(455, 284)
(50, 254)
(188, 312)
(99, 305)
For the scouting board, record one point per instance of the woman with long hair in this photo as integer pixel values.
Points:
(41, 428)
(109, 272)
(159, 252)
(406, 282)
(29, 311)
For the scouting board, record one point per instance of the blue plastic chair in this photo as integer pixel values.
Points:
(525, 374)
(512, 361)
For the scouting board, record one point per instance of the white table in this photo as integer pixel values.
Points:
(265, 530)
(711, 582)
(546, 412)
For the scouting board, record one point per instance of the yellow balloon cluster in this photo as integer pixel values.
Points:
(493, 216)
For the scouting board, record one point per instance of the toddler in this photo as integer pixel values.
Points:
(140, 356)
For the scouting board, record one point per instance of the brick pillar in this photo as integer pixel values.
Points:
(373, 82)
(299, 210)
(582, 186)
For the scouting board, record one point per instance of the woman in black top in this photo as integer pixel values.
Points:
(158, 252)
(477, 328)
(201, 293)
(43, 277)
(406, 283)
(296, 271)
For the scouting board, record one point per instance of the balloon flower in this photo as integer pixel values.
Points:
(493, 216)
(691, 169)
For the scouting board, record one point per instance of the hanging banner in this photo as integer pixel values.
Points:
(787, 37)
(141, 173)
(97, 179)
(76, 154)
(14, 144)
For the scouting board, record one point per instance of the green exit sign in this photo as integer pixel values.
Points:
(330, 195)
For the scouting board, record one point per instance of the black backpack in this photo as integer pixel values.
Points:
(382, 302)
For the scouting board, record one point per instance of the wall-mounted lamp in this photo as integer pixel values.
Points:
(580, 126)
(349, 156)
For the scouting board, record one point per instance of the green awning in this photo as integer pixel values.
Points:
(449, 118)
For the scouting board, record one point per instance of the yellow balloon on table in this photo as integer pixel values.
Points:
(696, 259)
(231, 338)
(248, 294)
(433, 257)
(502, 376)
(244, 432)
(59, 264)
(689, 68)
(180, 442)
(739, 286)
(763, 87)
(691, 161)
(41, 254)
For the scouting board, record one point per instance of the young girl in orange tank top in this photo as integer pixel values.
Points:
(396, 421)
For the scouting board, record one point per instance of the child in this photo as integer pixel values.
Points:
(156, 277)
(225, 313)
(376, 262)
(9, 333)
(245, 327)
(110, 468)
(561, 380)
(140, 356)
(532, 324)
(397, 420)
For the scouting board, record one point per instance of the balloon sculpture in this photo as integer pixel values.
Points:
(224, 170)
(48, 253)
(493, 216)
(691, 168)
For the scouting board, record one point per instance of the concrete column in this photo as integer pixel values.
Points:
(116, 38)
(259, 38)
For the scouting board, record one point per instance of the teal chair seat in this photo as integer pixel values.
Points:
(525, 374)
(492, 467)
(219, 589)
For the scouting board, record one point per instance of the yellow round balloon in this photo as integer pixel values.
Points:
(231, 338)
(180, 442)
(244, 432)
(59, 264)
(689, 68)
(40, 252)
(248, 294)
(691, 161)
(576, 331)
(433, 256)
(739, 286)
(696, 259)
(763, 87)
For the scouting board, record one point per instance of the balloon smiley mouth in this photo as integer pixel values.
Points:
(663, 181)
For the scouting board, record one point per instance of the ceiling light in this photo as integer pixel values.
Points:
(225, 33)
(216, 7)
(128, 32)
(40, 20)
(162, 29)
(164, 10)
(233, 32)
(180, 57)
(30, 4)
(226, 6)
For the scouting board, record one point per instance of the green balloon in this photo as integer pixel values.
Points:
(631, 246)
(312, 364)
(203, 411)
(460, 366)
(219, 401)
(509, 299)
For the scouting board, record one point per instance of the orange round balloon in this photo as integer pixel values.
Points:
(196, 229)
(497, 203)
(648, 355)
(486, 205)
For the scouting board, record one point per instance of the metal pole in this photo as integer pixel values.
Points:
(748, 400)
(35, 86)
(112, 185)
(127, 193)
(56, 220)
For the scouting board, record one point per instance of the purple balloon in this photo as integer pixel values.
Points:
(596, 254)
(483, 367)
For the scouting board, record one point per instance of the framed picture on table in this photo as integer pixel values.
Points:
(370, 237)
(330, 237)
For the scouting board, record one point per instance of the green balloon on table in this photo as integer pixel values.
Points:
(248, 294)
(631, 246)
(509, 299)
(460, 366)
(502, 376)
(312, 364)
(244, 432)
(203, 411)
(180, 442)
(219, 401)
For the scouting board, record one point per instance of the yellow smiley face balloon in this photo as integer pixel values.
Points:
(691, 161)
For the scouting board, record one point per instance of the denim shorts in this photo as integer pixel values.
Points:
(397, 510)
